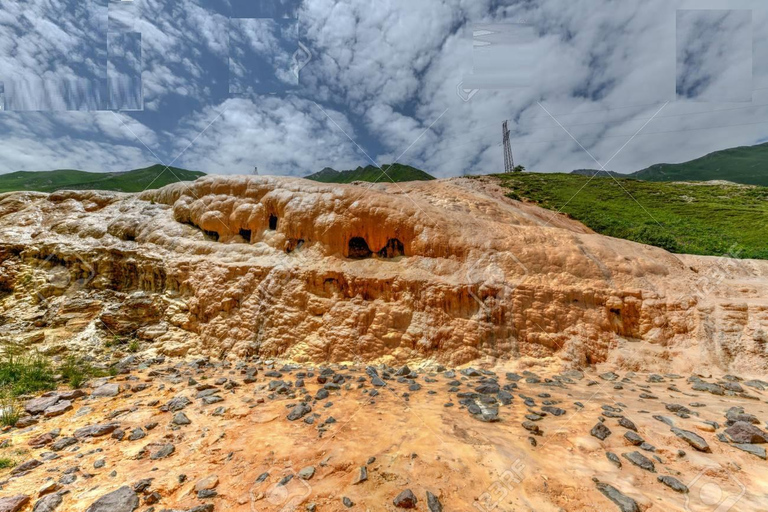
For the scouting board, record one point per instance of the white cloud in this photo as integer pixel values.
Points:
(280, 136)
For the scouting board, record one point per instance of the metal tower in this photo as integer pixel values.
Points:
(509, 164)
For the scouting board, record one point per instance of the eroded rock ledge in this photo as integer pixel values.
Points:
(449, 270)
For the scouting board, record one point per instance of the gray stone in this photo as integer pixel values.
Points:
(692, 439)
(26, 466)
(362, 476)
(121, 500)
(13, 503)
(745, 433)
(107, 390)
(48, 503)
(299, 411)
(178, 403)
(624, 502)
(96, 430)
(163, 452)
(627, 423)
(307, 473)
(758, 451)
(62, 443)
(614, 458)
(708, 387)
(136, 434)
(433, 503)
(633, 438)
(41, 403)
(600, 431)
(58, 409)
(180, 419)
(640, 460)
(673, 483)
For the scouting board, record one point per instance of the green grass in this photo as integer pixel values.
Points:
(371, 173)
(683, 218)
(136, 180)
(6, 463)
(22, 373)
(76, 371)
(748, 164)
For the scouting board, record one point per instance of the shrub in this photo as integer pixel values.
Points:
(76, 370)
(25, 373)
(10, 412)
(133, 346)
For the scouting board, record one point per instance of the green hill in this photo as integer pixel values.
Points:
(397, 173)
(747, 164)
(692, 218)
(69, 179)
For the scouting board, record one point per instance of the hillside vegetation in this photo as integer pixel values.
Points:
(693, 218)
(747, 164)
(371, 173)
(136, 180)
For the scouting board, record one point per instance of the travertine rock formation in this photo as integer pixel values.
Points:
(280, 267)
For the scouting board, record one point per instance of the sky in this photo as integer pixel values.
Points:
(292, 86)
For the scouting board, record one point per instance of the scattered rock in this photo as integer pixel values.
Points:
(673, 483)
(180, 419)
(48, 503)
(307, 473)
(96, 430)
(742, 432)
(362, 476)
(163, 452)
(299, 411)
(433, 503)
(26, 466)
(624, 502)
(207, 483)
(123, 499)
(640, 460)
(405, 499)
(692, 439)
(600, 431)
(13, 503)
(106, 390)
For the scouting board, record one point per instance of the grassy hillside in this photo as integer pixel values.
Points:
(748, 164)
(692, 218)
(396, 172)
(69, 179)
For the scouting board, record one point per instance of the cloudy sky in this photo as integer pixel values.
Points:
(291, 86)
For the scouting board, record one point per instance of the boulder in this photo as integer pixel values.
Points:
(123, 499)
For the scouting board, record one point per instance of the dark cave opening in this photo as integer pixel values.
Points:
(358, 248)
(393, 249)
(272, 222)
(246, 234)
(211, 235)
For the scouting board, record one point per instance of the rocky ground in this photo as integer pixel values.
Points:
(261, 435)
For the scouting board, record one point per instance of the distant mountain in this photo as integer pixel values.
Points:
(396, 172)
(599, 173)
(136, 180)
(746, 164)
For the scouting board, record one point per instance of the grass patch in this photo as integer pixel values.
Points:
(25, 373)
(76, 371)
(6, 463)
(10, 412)
(686, 218)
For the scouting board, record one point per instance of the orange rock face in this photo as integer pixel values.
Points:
(449, 270)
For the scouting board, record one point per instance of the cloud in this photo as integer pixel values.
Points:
(281, 136)
(388, 73)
